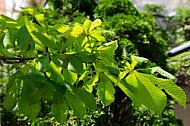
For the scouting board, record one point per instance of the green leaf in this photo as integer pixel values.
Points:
(94, 24)
(59, 88)
(12, 90)
(59, 109)
(36, 96)
(9, 39)
(97, 34)
(69, 42)
(128, 89)
(171, 88)
(108, 48)
(75, 64)
(80, 43)
(56, 72)
(40, 19)
(86, 57)
(10, 100)
(70, 76)
(131, 79)
(149, 95)
(87, 23)
(139, 59)
(122, 74)
(45, 40)
(43, 63)
(163, 73)
(87, 98)
(174, 91)
(76, 104)
(25, 107)
(113, 70)
(55, 60)
(23, 38)
(105, 90)
(89, 84)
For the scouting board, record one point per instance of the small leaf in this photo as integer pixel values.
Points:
(89, 84)
(70, 76)
(113, 70)
(122, 74)
(94, 24)
(131, 79)
(87, 23)
(75, 64)
(108, 48)
(43, 63)
(163, 73)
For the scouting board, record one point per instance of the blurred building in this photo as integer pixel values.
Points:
(2, 7)
(170, 5)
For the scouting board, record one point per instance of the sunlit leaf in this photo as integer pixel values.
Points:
(105, 90)
(70, 76)
(94, 24)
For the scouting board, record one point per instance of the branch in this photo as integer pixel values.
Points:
(12, 60)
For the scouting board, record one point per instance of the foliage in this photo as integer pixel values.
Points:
(70, 7)
(133, 30)
(65, 64)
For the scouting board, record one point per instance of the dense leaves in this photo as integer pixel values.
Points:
(65, 71)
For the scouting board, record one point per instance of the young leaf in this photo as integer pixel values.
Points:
(70, 76)
(89, 84)
(56, 72)
(108, 48)
(94, 24)
(163, 73)
(131, 79)
(105, 90)
(87, 23)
